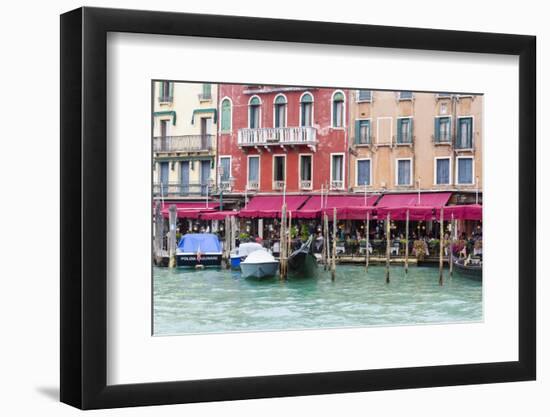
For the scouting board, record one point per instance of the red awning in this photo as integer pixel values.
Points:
(315, 206)
(412, 199)
(218, 215)
(270, 205)
(466, 212)
(189, 209)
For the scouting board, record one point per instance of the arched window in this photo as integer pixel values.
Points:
(279, 115)
(306, 110)
(226, 115)
(254, 113)
(338, 109)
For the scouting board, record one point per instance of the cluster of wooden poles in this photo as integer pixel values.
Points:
(329, 253)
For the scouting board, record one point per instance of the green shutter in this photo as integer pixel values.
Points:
(171, 89)
(411, 138)
(399, 129)
(226, 115)
(358, 131)
(437, 124)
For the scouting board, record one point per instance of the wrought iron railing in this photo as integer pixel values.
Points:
(277, 136)
(185, 143)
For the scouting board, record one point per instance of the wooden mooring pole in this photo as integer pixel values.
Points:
(441, 247)
(334, 227)
(172, 217)
(158, 233)
(367, 242)
(283, 245)
(407, 243)
(451, 239)
(326, 243)
(388, 239)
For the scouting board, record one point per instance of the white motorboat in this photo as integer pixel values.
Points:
(259, 264)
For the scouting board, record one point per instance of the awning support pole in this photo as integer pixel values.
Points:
(388, 238)
(407, 243)
(367, 242)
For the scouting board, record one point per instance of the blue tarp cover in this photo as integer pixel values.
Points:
(205, 242)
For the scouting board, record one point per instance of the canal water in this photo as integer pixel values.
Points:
(214, 301)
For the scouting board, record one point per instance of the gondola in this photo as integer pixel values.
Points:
(302, 262)
(472, 270)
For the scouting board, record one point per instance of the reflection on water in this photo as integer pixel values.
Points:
(218, 300)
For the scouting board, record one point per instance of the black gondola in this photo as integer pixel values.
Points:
(472, 270)
(302, 262)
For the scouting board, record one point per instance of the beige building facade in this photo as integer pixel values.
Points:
(184, 139)
(408, 141)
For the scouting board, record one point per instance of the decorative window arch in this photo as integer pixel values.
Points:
(338, 114)
(306, 109)
(226, 108)
(279, 111)
(254, 115)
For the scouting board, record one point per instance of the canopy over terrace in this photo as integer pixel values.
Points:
(326, 204)
(218, 215)
(269, 206)
(189, 209)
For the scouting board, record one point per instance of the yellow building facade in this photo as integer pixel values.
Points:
(184, 139)
(408, 141)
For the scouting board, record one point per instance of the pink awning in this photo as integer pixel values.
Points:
(465, 212)
(315, 206)
(218, 215)
(189, 209)
(270, 205)
(413, 199)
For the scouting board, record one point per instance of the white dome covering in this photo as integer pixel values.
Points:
(246, 249)
(259, 256)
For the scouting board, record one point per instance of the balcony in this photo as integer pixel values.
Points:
(253, 186)
(278, 185)
(173, 189)
(166, 99)
(283, 136)
(306, 184)
(186, 143)
(337, 185)
(205, 96)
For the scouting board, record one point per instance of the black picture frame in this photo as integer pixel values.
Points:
(84, 207)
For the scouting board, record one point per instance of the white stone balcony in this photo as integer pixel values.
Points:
(267, 138)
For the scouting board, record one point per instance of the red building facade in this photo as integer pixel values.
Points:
(274, 138)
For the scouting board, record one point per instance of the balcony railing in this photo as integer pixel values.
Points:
(205, 97)
(172, 189)
(186, 143)
(253, 185)
(337, 185)
(306, 184)
(278, 136)
(166, 99)
(278, 185)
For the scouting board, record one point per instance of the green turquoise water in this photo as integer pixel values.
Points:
(213, 301)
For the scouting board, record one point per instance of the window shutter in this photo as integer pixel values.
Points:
(411, 130)
(358, 131)
(161, 88)
(171, 89)
(437, 124)
(399, 129)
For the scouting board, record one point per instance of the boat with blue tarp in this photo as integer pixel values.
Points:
(199, 250)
